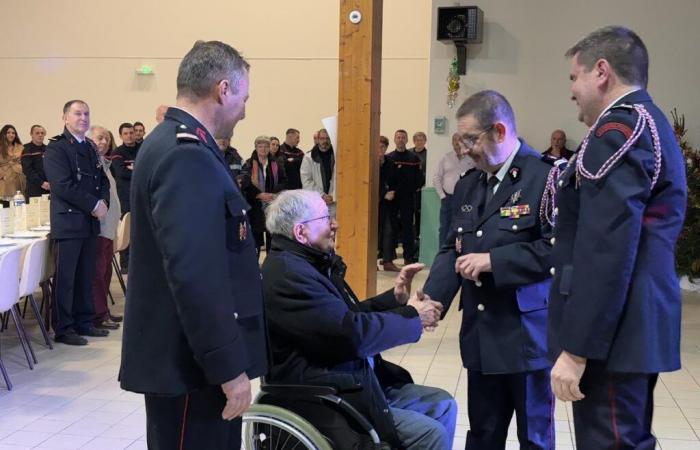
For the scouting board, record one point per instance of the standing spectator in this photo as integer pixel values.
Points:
(160, 113)
(33, 163)
(139, 132)
(557, 148)
(292, 157)
(318, 170)
(419, 148)
(275, 148)
(267, 178)
(232, 157)
(386, 240)
(108, 233)
(404, 179)
(79, 198)
(123, 166)
(195, 333)
(450, 168)
(11, 176)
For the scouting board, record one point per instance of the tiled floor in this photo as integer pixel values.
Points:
(72, 399)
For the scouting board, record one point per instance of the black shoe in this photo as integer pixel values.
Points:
(107, 325)
(71, 339)
(93, 332)
(116, 319)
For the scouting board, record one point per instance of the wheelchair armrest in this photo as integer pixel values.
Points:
(298, 390)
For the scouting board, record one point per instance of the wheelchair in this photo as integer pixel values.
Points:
(298, 417)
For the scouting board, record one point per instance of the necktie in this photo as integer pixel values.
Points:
(493, 181)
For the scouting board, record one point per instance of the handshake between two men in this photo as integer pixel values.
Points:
(428, 310)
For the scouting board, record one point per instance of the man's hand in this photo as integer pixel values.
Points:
(402, 286)
(566, 375)
(389, 196)
(470, 266)
(238, 396)
(327, 198)
(46, 186)
(100, 210)
(429, 311)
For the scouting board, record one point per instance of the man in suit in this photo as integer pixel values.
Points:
(79, 198)
(320, 333)
(194, 333)
(498, 252)
(615, 313)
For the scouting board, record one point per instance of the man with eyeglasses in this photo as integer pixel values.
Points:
(320, 333)
(498, 252)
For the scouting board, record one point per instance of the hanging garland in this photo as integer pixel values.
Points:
(452, 83)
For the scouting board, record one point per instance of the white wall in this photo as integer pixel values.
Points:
(52, 51)
(522, 57)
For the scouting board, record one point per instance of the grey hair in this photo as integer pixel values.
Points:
(205, 65)
(288, 209)
(488, 107)
(621, 47)
(92, 130)
(262, 140)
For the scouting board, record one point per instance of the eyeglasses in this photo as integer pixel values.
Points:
(327, 218)
(469, 141)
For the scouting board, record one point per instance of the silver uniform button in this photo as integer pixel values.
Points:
(552, 241)
(479, 233)
(561, 183)
(552, 271)
(514, 227)
(235, 315)
(556, 211)
(477, 283)
(480, 307)
(459, 230)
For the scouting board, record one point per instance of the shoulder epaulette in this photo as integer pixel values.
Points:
(58, 137)
(183, 135)
(464, 174)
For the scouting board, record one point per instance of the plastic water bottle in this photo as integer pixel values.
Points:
(18, 199)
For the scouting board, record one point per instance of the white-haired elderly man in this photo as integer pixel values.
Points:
(320, 333)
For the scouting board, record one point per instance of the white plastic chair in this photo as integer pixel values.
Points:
(32, 273)
(121, 243)
(9, 297)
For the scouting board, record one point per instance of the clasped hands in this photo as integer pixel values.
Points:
(429, 310)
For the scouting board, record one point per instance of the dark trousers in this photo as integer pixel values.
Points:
(419, 199)
(445, 218)
(73, 307)
(494, 398)
(387, 238)
(103, 277)
(617, 410)
(401, 212)
(191, 422)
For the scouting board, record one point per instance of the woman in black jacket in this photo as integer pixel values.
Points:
(267, 178)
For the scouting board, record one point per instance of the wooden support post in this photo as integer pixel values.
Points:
(357, 169)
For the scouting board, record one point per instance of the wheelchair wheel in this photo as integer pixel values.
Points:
(267, 427)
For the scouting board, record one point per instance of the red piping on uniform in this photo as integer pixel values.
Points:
(613, 412)
(184, 422)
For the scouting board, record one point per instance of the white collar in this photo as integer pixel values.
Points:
(501, 174)
(617, 100)
(80, 141)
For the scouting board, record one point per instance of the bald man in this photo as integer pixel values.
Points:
(160, 112)
(557, 146)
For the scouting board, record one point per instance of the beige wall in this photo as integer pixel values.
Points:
(522, 57)
(292, 47)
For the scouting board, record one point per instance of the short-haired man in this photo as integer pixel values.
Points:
(318, 170)
(419, 148)
(292, 157)
(79, 198)
(404, 179)
(386, 241)
(195, 332)
(557, 147)
(498, 252)
(139, 132)
(33, 163)
(615, 311)
(451, 166)
(321, 333)
(123, 158)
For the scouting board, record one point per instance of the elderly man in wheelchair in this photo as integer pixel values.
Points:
(325, 343)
